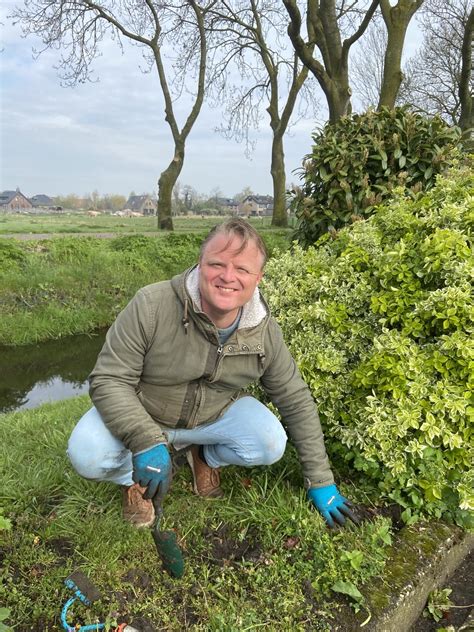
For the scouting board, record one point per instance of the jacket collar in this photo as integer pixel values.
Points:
(253, 312)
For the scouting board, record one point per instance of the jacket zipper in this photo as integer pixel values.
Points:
(220, 349)
(194, 415)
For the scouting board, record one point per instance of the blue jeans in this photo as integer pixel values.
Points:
(247, 434)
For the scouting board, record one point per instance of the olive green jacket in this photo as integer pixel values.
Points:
(162, 367)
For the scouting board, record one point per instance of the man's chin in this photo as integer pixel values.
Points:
(226, 308)
(229, 301)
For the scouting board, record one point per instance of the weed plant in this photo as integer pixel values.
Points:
(259, 557)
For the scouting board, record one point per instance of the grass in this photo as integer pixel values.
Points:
(257, 558)
(79, 222)
(72, 285)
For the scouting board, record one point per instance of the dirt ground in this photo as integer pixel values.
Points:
(462, 596)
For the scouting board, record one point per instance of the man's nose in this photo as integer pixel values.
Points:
(228, 274)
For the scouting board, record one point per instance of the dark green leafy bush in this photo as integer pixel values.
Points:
(356, 164)
(381, 322)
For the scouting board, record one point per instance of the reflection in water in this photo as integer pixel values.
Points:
(49, 371)
(52, 390)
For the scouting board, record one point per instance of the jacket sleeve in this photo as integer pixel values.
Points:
(288, 391)
(115, 378)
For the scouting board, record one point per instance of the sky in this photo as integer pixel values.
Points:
(110, 136)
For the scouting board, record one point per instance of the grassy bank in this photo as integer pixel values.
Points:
(70, 285)
(259, 557)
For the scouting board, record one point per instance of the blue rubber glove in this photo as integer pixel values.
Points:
(152, 469)
(331, 505)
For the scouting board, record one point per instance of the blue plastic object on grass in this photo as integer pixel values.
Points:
(85, 592)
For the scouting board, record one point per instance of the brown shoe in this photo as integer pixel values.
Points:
(135, 509)
(207, 480)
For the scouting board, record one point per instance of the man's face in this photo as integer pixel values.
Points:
(228, 279)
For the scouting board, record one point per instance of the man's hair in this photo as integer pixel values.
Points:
(236, 227)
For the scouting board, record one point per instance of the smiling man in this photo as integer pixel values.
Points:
(172, 376)
(229, 272)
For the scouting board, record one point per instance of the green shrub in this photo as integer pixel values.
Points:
(10, 254)
(179, 251)
(68, 250)
(381, 320)
(171, 253)
(357, 162)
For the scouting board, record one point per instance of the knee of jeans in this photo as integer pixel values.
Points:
(271, 449)
(87, 463)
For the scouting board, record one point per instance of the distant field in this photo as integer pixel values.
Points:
(80, 223)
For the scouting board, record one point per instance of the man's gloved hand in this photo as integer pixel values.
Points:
(331, 505)
(152, 469)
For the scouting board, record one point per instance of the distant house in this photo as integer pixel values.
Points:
(256, 206)
(227, 204)
(144, 204)
(12, 201)
(42, 200)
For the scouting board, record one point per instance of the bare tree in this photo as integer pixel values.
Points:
(440, 79)
(366, 71)
(271, 76)
(368, 68)
(246, 191)
(396, 18)
(325, 24)
(466, 120)
(78, 27)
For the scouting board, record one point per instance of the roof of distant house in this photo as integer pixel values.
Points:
(259, 199)
(7, 196)
(42, 200)
(135, 202)
(223, 201)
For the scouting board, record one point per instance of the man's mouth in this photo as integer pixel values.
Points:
(225, 289)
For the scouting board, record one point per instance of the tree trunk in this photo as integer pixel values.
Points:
(280, 217)
(466, 120)
(166, 184)
(392, 73)
(396, 18)
(324, 33)
(338, 96)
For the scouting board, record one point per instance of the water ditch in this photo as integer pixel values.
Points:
(35, 374)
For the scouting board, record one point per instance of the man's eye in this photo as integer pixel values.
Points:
(242, 270)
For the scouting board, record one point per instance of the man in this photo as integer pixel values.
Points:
(172, 372)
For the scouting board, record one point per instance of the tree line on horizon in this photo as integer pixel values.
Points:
(185, 198)
(291, 59)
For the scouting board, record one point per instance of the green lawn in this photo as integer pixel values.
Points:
(81, 223)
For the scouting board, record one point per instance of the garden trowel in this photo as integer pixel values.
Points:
(165, 541)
